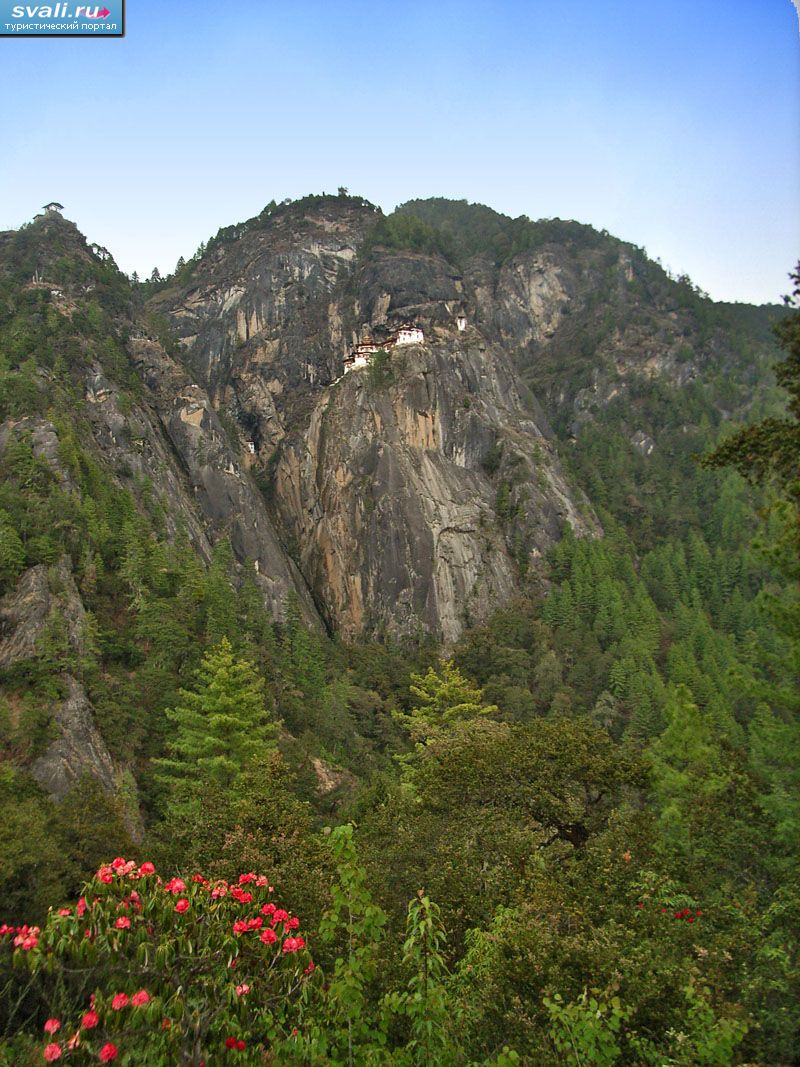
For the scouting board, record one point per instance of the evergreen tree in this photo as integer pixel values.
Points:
(442, 698)
(218, 726)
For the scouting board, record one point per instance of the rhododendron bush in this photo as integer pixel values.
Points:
(178, 972)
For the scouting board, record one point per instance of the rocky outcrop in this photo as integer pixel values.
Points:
(78, 750)
(40, 595)
(40, 598)
(23, 614)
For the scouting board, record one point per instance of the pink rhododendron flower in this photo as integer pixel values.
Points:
(27, 937)
(230, 1042)
(52, 1025)
(117, 863)
(280, 915)
(52, 1052)
(64, 912)
(293, 944)
(108, 1053)
(90, 1020)
(182, 905)
(119, 1001)
(140, 998)
(147, 868)
(268, 909)
(242, 990)
(81, 907)
(240, 926)
(269, 937)
(175, 886)
(123, 923)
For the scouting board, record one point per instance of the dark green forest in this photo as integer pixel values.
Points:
(591, 801)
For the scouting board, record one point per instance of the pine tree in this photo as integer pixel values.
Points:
(221, 614)
(688, 771)
(218, 727)
(442, 698)
(12, 552)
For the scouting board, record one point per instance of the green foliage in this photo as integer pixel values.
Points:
(350, 1031)
(439, 700)
(157, 952)
(771, 449)
(12, 551)
(408, 233)
(217, 726)
(586, 1030)
(380, 373)
(474, 229)
(424, 1002)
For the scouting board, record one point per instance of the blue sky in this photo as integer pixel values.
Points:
(674, 124)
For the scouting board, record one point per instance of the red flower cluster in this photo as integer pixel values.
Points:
(25, 937)
(293, 944)
(686, 915)
(115, 903)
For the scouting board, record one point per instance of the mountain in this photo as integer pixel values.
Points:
(398, 522)
(419, 497)
(409, 496)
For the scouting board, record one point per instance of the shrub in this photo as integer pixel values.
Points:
(153, 972)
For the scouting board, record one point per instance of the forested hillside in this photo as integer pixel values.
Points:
(443, 711)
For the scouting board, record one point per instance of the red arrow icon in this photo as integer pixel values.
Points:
(103, 13)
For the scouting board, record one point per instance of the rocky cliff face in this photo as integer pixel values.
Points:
(40, 600)
(390, 496)
(413, 497)
(175, 439)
